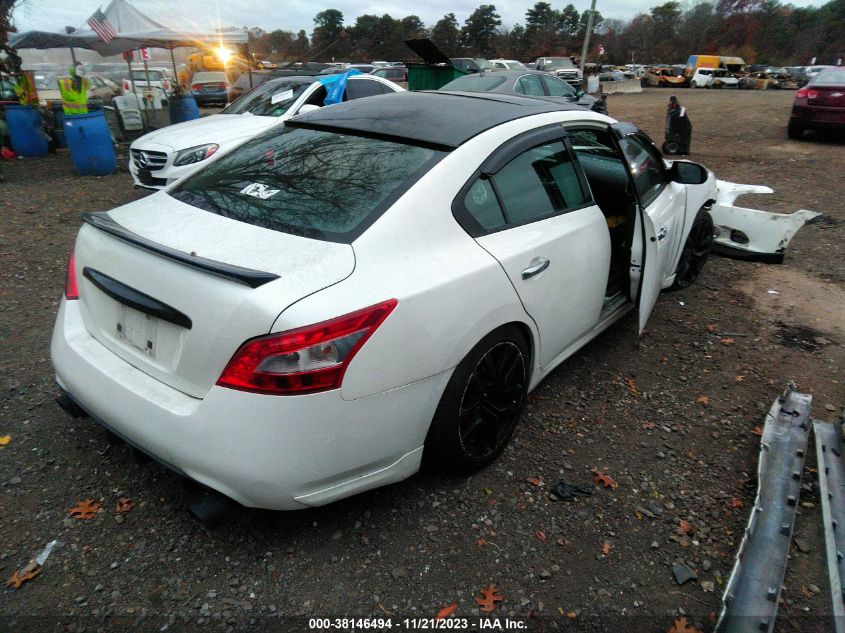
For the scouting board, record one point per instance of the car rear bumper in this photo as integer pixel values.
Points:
(210, 97)
(279, 453)
(817, 116)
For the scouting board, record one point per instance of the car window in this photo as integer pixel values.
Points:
(539, 183)
(141, 75)
(359, 88)
(481, 203)
(646, 166)
(530, 85)
(830, 77)
(475, 83)
(557, 87)
(315, 183)
(269, 99)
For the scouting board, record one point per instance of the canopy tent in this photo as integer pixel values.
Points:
(134, 30)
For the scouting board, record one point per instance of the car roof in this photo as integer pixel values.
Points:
(443, 119)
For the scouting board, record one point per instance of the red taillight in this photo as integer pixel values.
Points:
(305, 360)
(223, 85)
(126, 85)
(806, 93)
(196, 87)
(71, 291)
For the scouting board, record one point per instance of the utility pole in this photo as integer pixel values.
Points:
(589, 32)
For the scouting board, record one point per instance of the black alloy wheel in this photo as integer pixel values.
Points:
(696, 251)
(481, 404)
(492, 401)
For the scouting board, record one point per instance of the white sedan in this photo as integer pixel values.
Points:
(371, 287)
(162, 157)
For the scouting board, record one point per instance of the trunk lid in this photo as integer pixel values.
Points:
(829, 96)
(146, 296)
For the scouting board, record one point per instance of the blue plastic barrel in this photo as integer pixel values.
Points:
(89, 141)
(26, 130)
(183, 108)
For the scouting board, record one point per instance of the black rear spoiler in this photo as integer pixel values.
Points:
(246, 276)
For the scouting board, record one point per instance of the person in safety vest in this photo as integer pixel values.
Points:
(25, 89)
(74, 90)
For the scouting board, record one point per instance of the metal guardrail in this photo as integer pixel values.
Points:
(750, 602)
(832, 488)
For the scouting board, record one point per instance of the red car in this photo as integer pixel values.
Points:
(820, 105)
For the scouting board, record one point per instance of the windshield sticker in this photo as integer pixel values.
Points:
(281, 96)
(257, 190)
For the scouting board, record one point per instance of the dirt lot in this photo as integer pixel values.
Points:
(629, 407)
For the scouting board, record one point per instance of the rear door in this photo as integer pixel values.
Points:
(530, 208)
(660, 221)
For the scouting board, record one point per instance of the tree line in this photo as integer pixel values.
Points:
(760, 31)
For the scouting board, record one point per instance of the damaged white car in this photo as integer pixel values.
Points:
(373, 286)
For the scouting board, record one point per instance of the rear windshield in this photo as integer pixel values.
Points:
(141, 75)
(557, 62)
(313, 183)
(208, 77)
(269, 99)
(475, 83)
(833, 77)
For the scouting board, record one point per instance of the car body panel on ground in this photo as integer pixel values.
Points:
(753, 234)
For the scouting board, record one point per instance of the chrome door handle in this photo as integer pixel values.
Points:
(536, 269)
(661, 234)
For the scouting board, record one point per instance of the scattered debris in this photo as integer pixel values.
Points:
(86, 509)
(605, 549)
(752, 593)
(33, 567)
(124, 505)
(445, 612)
(683, 573)
(603, 479)
(5, 439)
(488, 598)
(680, 625)
(567, 491)
(702, 400)
(631, 384)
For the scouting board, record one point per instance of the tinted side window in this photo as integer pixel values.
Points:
(480, 202)
(358, 88)
(539, 183)
(557, 87)
(646, 165)
(530, 85)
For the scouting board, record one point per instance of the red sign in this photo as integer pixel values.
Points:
(145, 54)
(128, 55)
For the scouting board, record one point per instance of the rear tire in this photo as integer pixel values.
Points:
(696, 251)
(481, 404)
(795, 130)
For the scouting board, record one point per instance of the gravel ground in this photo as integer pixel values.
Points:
(684, 464)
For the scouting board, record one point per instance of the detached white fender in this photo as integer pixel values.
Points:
(750, 233)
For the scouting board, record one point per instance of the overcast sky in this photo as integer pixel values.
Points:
(292, 15)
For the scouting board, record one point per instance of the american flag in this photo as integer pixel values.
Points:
(102, 27)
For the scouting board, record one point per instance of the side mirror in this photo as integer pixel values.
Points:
(579, 93)
(687, 173)
(308, 107)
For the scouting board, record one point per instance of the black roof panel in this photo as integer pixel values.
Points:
(446, 119)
